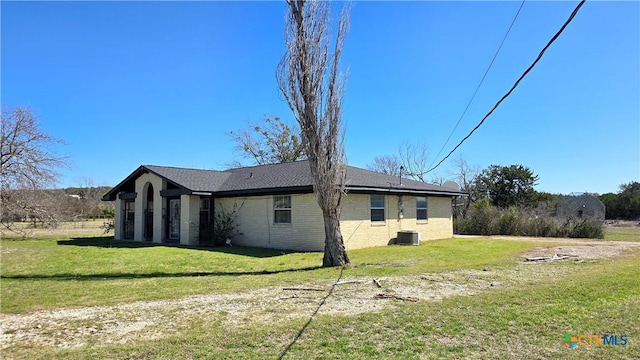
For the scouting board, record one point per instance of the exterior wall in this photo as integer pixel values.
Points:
(189, 219)
(306, 231)
(359, 231)
(141, 199)
(439, 224)
(256, 227)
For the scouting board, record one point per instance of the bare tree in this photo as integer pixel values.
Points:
(438, 180)
(413, 159)
(309, 80)
(270, 143)
(465, 175)
(386, 164)
(27, 166)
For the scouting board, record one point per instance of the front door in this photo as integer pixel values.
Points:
(174, 219)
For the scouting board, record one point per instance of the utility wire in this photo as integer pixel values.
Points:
(573, 14)
(480, 84)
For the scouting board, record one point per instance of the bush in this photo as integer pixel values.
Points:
(222, 228)
(587, 229)
(509, 221)
(484, 219)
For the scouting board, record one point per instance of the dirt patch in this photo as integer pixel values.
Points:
(577, 248)
(70, 328)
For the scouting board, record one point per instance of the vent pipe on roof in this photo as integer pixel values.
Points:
(401, 168)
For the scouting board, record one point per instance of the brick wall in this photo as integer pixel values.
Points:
(257, 228)
(306, 231)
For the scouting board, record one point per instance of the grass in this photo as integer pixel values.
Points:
(45, 274)
(526, 320)
(622, 233)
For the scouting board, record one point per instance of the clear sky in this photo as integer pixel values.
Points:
(162, 83)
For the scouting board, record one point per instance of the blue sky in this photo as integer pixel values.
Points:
(131, 83)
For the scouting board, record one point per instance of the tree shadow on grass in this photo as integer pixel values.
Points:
(117, 276)
(109, 242)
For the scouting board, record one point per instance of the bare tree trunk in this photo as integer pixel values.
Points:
(334, 251)
(309, 80)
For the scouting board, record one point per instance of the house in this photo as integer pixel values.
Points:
(276, 206)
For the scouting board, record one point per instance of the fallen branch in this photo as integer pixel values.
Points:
(567, 255)
(538, 258)
(394, 296)
(350, 282)
(550, 258)
(302, 289)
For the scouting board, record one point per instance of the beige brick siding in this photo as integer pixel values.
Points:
(359, 231)
(256, 226)
(306, 231)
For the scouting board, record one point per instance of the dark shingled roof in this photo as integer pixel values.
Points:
(294, 177)
(192, 179)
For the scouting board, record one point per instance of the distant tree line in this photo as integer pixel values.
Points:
(47, 207)
(625, 205)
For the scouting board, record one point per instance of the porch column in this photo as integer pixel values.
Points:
(118, 220)
(190, 219)
(158, 215)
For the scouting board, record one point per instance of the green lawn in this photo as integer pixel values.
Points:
(46, 274)
(623, 233)
(526, 319)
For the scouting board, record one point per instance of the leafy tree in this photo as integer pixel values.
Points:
(272, 142)
(629, 200)
(27, 167)
(311, 84)
(507, 186)
(625, 205)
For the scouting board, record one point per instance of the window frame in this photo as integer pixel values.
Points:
(278, 209)
(373, 208)
(425, 208)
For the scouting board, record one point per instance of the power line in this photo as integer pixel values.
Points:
(573, 14)
(479, 84)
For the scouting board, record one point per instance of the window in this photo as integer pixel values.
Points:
(421, 208)
(282, 209)
(377, 207)
(205, 210)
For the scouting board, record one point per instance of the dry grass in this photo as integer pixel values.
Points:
(477, 298)
(63, 229)
(628, 232)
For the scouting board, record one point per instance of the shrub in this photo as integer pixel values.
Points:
(587, 229)
(222, 228)
(509, 222)
(484, 219)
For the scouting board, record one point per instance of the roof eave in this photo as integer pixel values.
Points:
(395, 190)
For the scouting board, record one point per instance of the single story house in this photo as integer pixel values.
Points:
(276, 206)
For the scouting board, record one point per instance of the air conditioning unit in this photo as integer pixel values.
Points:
(408, 238)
